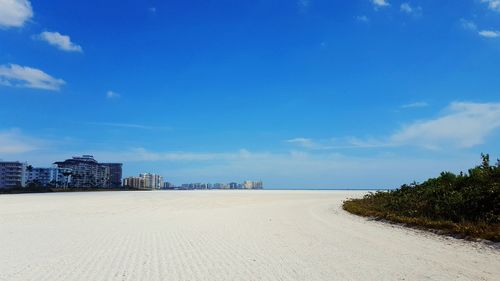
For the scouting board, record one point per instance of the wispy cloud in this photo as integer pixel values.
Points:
(489, 33)
(468, 25)
(277, 169)
(27, 77)
(493, 4)
(14, 13)
(338, 143)
(308, 143)
(354, 142)
(405, 7)
(463, 125)
(362, 18)
(409, 9)
(285, 169)
(304, 3)
(291, 169)
(62, 42)
(415, 104)
(127, 125)
(141, 154)
(112, 95)
(380, 3)
(14, 141)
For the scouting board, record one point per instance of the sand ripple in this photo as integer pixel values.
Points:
(221, 235)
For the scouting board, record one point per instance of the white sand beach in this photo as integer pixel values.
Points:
(221, 235)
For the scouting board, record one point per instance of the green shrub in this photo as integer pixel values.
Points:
(467, 204)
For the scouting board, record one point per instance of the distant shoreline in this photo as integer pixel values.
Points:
(346, 189)
(20, 191)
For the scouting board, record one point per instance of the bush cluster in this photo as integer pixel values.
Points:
(467, 204)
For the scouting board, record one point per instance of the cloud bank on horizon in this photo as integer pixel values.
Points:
(315, 94)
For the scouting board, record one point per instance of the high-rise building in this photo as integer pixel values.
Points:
(115, 174)
(252, 185)
(144, 181)
(248, 184)
(86, 172)
(258, 185)
(134, 182)
(231, 185)
(152, 181)
(12, 174)
(38, 176)
(54, 176)
(221, 186)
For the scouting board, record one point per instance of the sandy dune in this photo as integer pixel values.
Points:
(221, 235)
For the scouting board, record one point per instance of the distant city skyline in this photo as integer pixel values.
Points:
(85, 172)
(298, 94)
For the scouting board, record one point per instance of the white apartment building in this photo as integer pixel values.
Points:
(144, 181)
(54, 176)
(152, 181)
(12, 174)
(221, 186)
(252, 185)
(134, 182)
(87, 172)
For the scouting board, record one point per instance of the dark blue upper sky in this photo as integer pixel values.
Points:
(310, 93)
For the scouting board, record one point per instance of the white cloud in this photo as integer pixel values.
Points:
(465, 125)
(27, 77)
(415, 104)
(304, 3)
(112, 95)
(14, 13)
(287, 169)
(291, 169)
(468, 25)
(62, 42)
(380, 3)
(362, 18)
(493, 4)
(335, 143)
(306, 143)
(13, 141)
(489, 33)
(127, 125)
(354, 142)
(407, 8)
(276, 169)
(141, 154)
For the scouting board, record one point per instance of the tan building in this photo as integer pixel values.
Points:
(144, 181)
(134, 182)
(252, 185)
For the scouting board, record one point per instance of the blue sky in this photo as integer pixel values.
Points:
(310, 93)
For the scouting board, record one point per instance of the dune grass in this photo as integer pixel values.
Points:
(464, 205)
